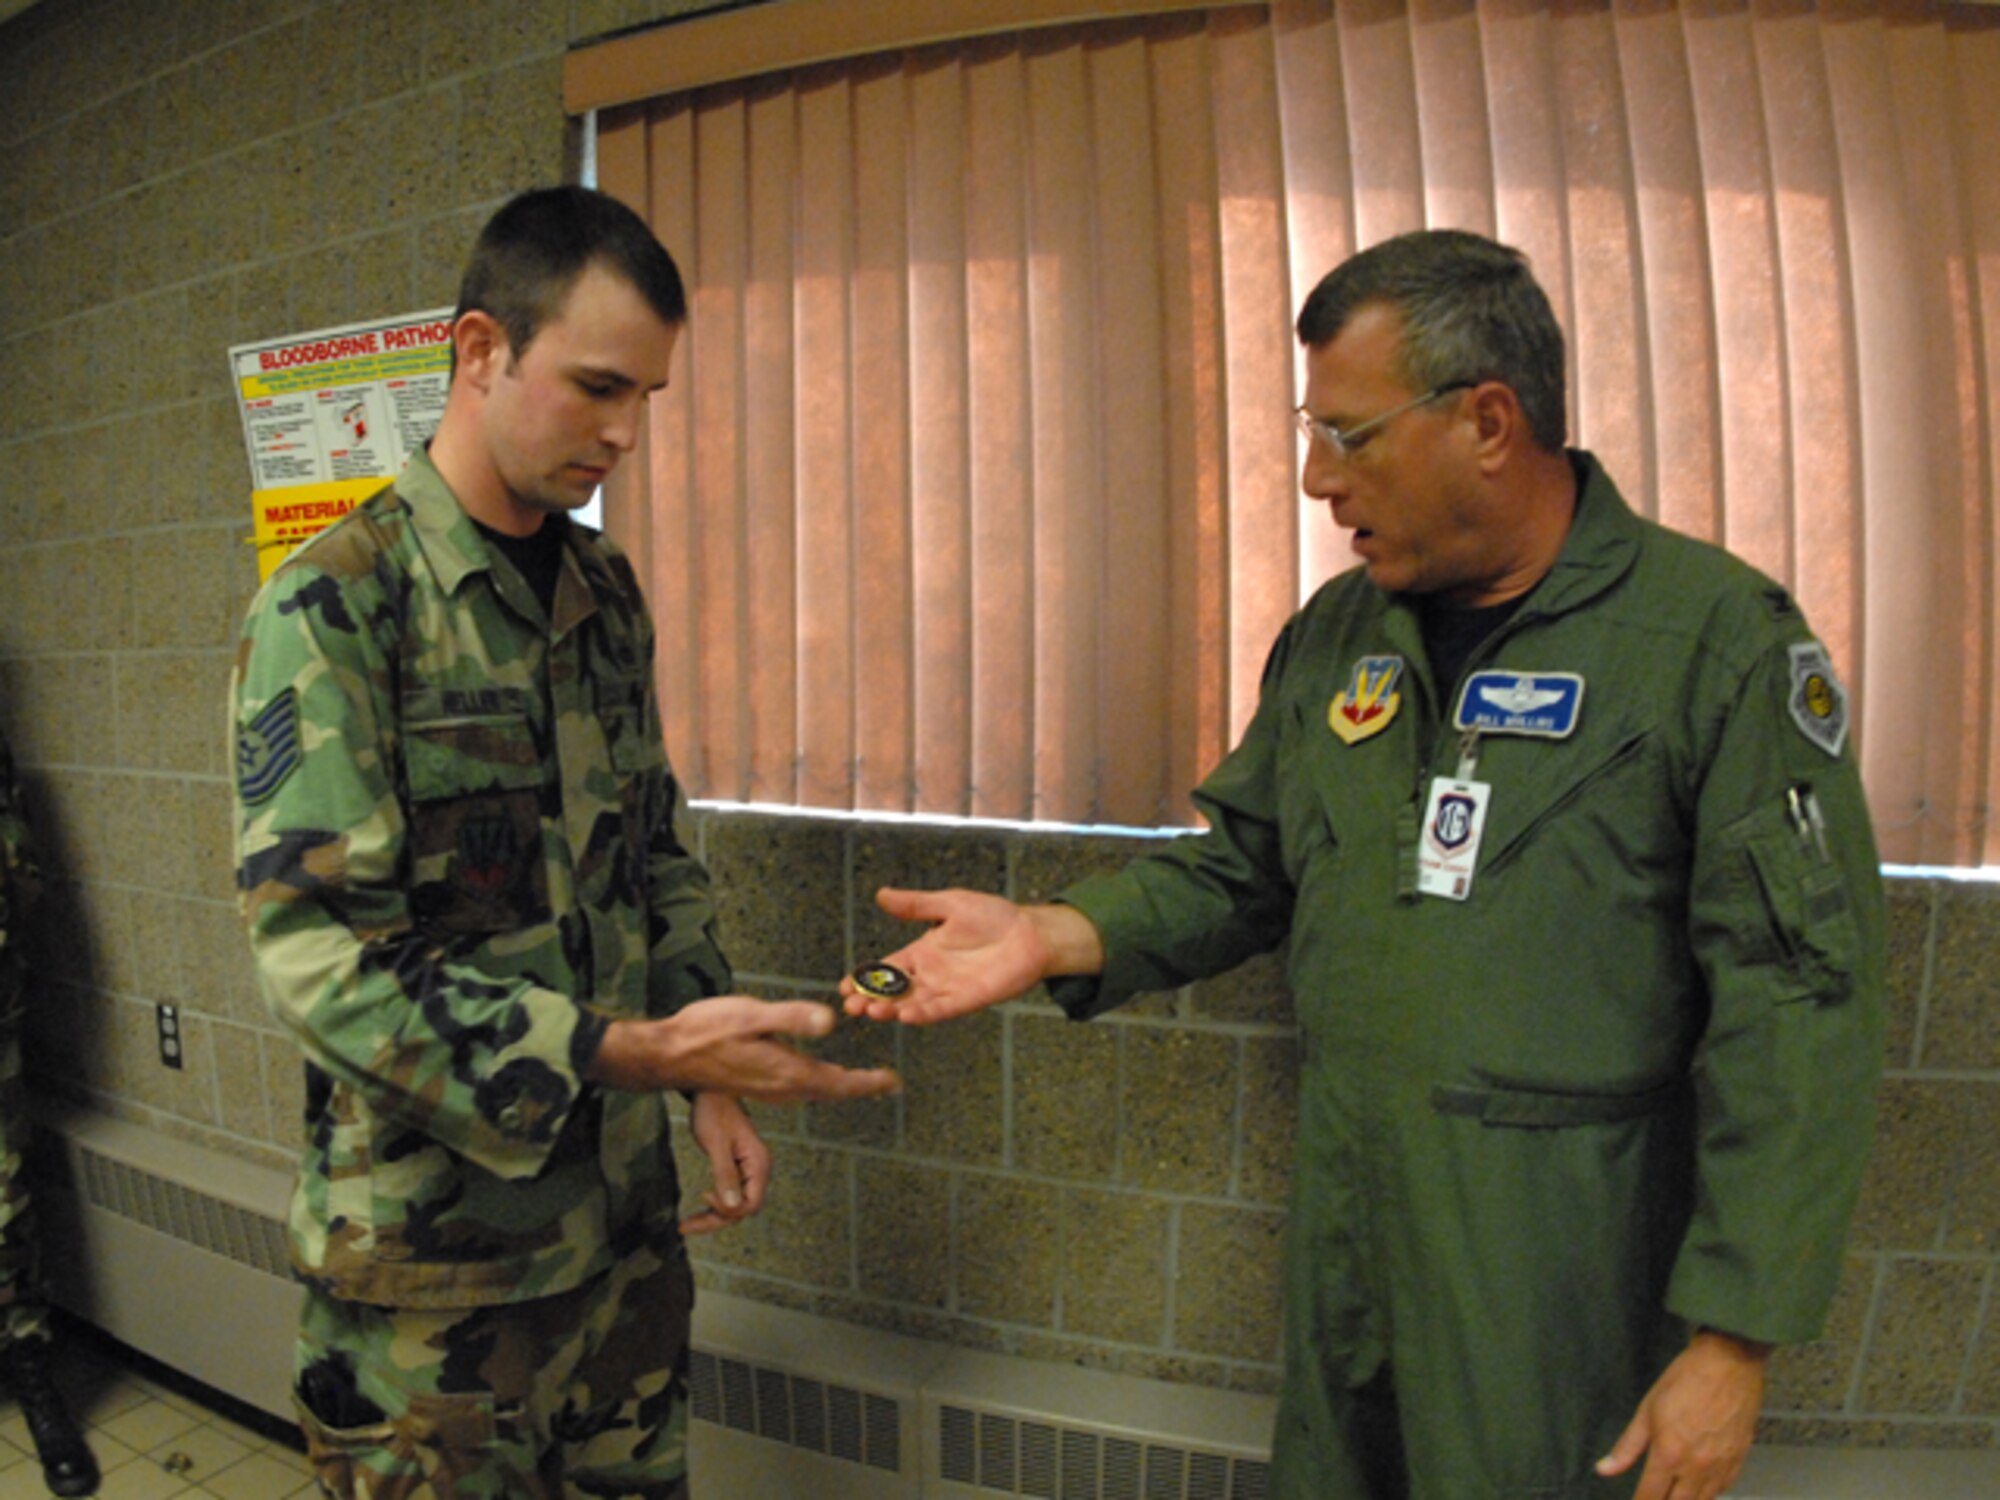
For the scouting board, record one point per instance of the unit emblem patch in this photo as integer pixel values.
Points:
(1817, 700)
(1370, 700)
(489, 857)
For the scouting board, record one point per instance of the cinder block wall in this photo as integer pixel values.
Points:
(178, 178)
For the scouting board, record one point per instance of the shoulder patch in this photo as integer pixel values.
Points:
(1817, 701)
(267, 748)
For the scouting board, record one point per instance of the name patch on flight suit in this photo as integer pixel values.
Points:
(1370, 700)
(1543, 704)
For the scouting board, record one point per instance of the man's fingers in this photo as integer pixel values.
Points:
(728, 1190)
(929, 1011)
(807, 1018)
(915, 906)
(756, 1176)
(825, 1081)
(1626, 1451)
(882, 1010)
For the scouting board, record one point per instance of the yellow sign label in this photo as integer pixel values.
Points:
(298, 512)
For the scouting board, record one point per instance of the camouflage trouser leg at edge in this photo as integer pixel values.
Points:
(578, 1395)
(24, 1310)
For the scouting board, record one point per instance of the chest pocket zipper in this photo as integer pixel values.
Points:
(1627, 749)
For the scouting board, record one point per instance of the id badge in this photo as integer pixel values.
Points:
(1449, 847)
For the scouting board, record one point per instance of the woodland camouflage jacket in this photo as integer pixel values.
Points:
(457, 862)
(20, 882)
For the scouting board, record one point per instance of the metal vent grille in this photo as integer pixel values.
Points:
(997, 1454)
(249, 1239)
(841, 1422)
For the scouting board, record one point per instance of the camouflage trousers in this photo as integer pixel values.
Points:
(581, 1394)
(24, 1309)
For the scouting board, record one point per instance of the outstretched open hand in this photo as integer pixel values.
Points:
(734, 1045)
(982, 950)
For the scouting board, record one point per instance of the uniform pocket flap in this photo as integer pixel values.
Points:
(1808, 917)
(1541, 1109)
(466, 757)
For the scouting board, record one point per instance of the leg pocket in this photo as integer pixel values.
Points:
(440, 1448)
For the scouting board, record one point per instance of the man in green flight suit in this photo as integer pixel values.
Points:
(1557, 815)
(466, 897)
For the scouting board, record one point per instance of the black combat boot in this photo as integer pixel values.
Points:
(67, 1465)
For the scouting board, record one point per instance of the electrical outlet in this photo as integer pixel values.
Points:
(169, 1017)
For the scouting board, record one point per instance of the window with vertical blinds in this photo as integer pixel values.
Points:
(976, 491)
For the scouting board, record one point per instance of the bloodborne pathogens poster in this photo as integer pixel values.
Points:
(329, 416)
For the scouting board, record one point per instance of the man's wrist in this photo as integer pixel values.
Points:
(587, 1041)
(1734, 1343)
(616, 1061)
(1071, 943)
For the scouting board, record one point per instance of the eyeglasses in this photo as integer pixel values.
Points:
(1345, 444)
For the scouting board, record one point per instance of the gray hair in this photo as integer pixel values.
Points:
(1471, 310)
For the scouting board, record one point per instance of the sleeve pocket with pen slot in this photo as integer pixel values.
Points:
(1802, 906)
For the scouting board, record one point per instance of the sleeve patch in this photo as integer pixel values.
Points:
(1817, 701)
(267, 748)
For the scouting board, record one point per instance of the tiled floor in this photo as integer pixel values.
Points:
(153, 1435)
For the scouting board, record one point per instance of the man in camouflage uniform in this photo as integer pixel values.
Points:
(466, 898)
(67, 1465)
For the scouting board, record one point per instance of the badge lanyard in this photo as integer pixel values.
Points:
(1454, 822)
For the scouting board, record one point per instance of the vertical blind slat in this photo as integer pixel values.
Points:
(1895, 457)
(1919, 68)
(1976, 76)
(770, 452)
(1530, 184)
(1610, 368)
(940, 460)
(715, 311)
(1449, 119)
(1067, 506)
(1197, 423)
(883, 563)
(1379, 85)
(1137, 511)
(673, 588)
(1750, 368)
(1256, 316)
(1680, 297)
(1004, 608)
(1817, 331)
(1319, 190)
(825, 479)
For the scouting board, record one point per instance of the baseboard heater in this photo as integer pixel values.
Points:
(179, 1252)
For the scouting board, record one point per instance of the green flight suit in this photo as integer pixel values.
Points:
(1623, 1087)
